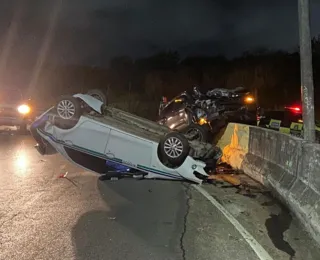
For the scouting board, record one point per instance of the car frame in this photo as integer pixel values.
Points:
(99, 133)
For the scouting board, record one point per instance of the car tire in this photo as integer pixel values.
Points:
(174, 148)
(203, 132)
(98, 94)
(67, 118)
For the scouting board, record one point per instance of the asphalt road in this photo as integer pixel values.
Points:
(79, 217)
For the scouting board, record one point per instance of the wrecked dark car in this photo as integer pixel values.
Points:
(204, 114)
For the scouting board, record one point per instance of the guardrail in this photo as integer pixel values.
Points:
(287, 165)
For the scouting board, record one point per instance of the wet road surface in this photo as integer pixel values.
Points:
(79, 217)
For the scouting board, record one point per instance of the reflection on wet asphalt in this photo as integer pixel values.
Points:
(271, 224)
(43, 216)
(276, 226)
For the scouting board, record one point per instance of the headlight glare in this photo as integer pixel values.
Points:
(24, 109)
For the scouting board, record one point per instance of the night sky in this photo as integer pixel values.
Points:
(92, 31)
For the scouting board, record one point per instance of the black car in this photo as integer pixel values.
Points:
(204, 114)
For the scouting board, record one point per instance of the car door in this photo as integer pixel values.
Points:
(88, 136)
(129, 149)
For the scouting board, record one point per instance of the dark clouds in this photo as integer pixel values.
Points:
(93, 31)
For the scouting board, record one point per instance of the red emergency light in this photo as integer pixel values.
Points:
(295, 109)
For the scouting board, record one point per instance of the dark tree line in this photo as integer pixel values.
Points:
(137, 85)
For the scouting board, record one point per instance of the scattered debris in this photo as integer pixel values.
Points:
(225, 169)
(112, 218)
(63, 175)
(225, 173)
(245, 185)
(230, 178)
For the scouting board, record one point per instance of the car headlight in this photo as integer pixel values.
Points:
(24, 109)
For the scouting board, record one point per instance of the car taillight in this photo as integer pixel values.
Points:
(295, 109)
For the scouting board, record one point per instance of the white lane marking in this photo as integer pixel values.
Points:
(257, 248)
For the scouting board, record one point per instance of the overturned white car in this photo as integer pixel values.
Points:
(88, 133)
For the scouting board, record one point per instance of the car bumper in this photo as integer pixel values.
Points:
(42, 145)
(12, 121)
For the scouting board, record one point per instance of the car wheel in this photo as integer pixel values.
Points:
(174, 148)
(200, 133)
(98, 94)
(68, 111)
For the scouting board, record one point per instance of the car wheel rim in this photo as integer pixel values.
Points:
(195, 133)
(173, 147)
(66, 109)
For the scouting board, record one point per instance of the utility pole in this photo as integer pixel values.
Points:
(307, 91)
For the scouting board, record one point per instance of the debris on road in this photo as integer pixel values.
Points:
(64, 175)
(225, 169)
(225, 173)
(245, 186)
(230, 178)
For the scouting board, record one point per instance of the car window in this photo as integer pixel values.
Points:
(10, 96)
(172, 106)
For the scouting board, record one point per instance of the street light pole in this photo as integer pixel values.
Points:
(307, 91)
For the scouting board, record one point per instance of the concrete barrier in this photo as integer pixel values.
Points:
(285, 164)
